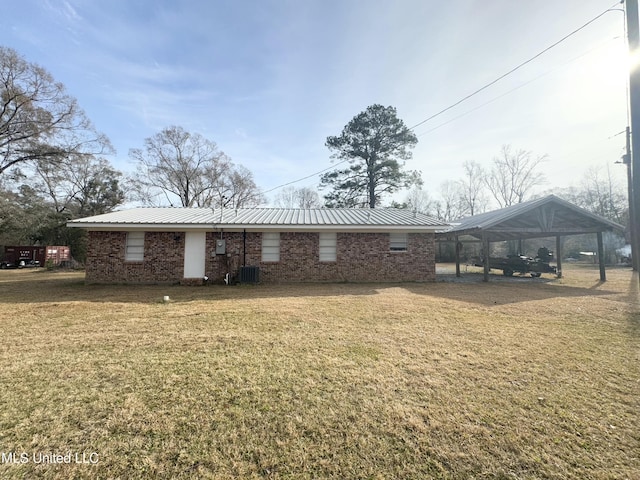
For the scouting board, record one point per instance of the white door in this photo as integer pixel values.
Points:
(194, 254)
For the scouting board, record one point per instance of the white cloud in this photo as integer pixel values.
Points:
(268, 81)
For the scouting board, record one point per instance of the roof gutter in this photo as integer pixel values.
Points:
(252, 228)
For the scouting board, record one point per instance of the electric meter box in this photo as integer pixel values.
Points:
(221, 247)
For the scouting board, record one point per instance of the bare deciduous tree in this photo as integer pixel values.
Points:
(46, 195)
(601, 194)
(308, 198)
(175, 162)
(240, 190)
(451, 206)
(287, 197)
(179, 165)
(291, 197)
(81, 186)
(472, 189)
(514, 175)
(419, 200)
(38, 119)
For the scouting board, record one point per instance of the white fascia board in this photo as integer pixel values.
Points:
(328, 228)
(147, 227)
(171, 227)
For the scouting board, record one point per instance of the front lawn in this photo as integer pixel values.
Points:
(527, 378)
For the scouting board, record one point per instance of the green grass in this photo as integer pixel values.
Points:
(517, 379)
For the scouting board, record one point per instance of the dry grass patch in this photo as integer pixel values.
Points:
(521, 379)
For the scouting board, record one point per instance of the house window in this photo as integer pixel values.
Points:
(134, 250)
(398, 242)
(328, 242)
(271, 247)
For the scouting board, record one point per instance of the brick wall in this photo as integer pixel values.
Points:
(163, 258)
(361, 257)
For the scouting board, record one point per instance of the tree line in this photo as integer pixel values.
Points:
(53, 168)
(53, 164)
(482, 189)
(372, 151)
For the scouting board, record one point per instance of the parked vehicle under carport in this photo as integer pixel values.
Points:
(520, 264)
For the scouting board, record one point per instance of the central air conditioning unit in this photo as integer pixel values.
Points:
(249, 274)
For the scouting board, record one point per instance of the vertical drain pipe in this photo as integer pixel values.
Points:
(244, 247)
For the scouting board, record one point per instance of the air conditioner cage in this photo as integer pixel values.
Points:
(249, 274)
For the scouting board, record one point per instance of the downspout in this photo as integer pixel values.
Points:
(458, 248)
(485, 250)
(244, 247)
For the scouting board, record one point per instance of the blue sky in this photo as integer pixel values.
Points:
(269, 80)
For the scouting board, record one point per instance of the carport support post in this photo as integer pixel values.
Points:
(457, 256)
(603, 275)
(485, 254)
(559, 256)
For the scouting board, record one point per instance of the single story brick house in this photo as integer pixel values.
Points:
(185, 245)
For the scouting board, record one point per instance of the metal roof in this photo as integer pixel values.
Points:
(291, 218)
(546, 216)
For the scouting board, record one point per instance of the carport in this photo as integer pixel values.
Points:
(548, 216)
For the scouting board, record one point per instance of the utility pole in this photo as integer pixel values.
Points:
(633, 40)
(626, 160)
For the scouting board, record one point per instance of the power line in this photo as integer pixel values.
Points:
(513, 69)
(304, 178)
(516, 88)
(468, 96)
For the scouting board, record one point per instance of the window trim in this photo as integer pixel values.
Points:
(398, 242)
(328, 253)
(134, 247)
(270, 247)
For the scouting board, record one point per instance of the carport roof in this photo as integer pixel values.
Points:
(543, 217)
